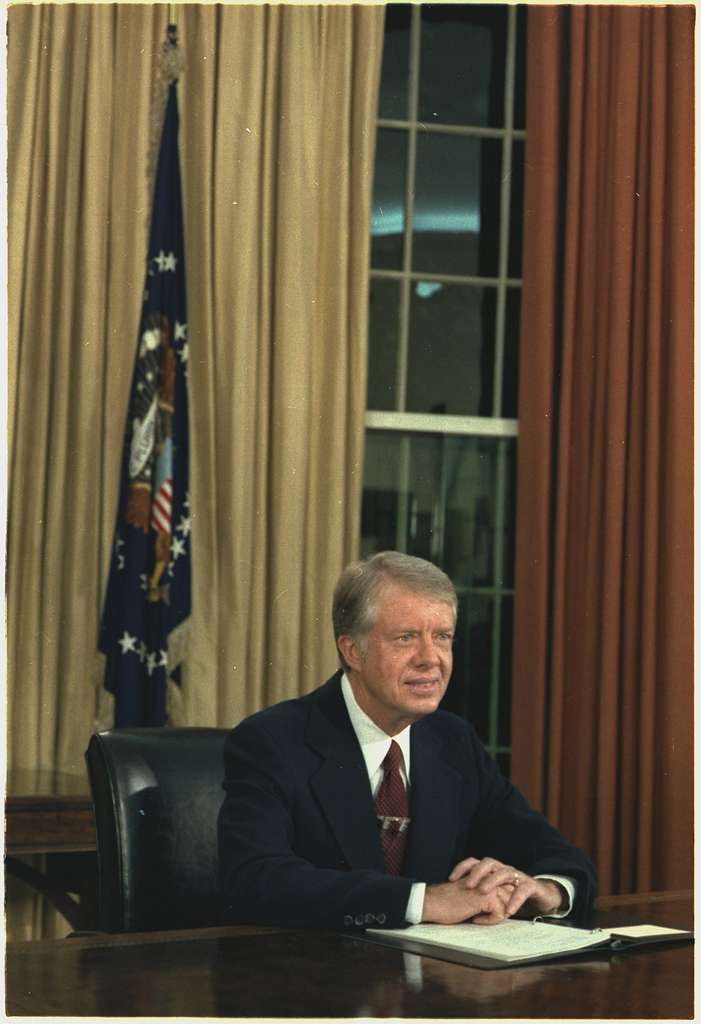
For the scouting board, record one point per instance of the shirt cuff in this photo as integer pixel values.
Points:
(415, 906)
(570, 888)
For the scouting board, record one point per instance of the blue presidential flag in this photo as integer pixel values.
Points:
(148, 594)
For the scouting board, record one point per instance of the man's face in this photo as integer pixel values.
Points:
(404, 669)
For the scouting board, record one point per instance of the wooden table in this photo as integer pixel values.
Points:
(51, 813)
(266, 972)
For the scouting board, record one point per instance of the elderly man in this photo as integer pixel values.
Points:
(363, 805)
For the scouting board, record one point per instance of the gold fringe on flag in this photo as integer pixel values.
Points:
(171, 64)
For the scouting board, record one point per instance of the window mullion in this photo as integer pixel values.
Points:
(500, 488)
(410, 188)
(421, 275)
(467, 130)
(505, 211)
(440, 423)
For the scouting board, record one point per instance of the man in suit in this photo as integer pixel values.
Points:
(363, 805)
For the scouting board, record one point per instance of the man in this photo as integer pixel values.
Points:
(363, 805)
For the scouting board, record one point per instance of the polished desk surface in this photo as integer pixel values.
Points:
(265, 972)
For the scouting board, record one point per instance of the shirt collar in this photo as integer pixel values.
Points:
(374, 742)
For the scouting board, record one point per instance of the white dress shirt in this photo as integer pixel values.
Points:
(374, 744)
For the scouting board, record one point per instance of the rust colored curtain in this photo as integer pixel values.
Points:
(603, 668)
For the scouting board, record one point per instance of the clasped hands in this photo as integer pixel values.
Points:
(487, 892)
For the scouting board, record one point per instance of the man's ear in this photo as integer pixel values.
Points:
(350, 650)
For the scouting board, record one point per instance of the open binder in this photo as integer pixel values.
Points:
(513, 943)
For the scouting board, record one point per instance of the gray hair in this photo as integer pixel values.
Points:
(355, 595)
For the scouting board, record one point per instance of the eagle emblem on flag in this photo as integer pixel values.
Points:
(149, 501)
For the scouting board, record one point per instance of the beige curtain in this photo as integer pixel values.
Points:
(277, 143)
(277, 107)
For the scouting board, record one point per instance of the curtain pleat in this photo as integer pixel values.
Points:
(603, 671)
(277, 109)
(286, 96)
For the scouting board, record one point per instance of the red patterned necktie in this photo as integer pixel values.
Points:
(392, 809)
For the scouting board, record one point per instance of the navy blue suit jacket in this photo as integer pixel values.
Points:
(298, 839)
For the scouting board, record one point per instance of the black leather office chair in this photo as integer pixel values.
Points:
(157, 793)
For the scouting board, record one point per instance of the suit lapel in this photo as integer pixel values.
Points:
(341, 783)
(434, 806)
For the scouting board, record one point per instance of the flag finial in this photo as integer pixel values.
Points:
(172, 59)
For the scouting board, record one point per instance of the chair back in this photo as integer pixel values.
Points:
(157, 794)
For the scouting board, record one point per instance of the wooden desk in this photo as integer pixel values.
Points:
(265, 972)
(51, 813)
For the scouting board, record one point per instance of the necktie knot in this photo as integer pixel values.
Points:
(393, 758)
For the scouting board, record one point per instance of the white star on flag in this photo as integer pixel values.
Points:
(127, 643)
(177, 547)
(163, 663)
(180, 331)
(119, 543)
(150, 662)
(171, 260)
(161, 260)
(183, 353)
(185, 525)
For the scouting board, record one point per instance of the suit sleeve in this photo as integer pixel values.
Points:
(263, 878)
(507, 828)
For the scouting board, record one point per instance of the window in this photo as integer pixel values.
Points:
(444, 318)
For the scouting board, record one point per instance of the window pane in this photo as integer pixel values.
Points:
(381, 493)
(462, 64)
(426, 474)
(505, 649)
(470, 516)
(383, 344)
(509, 391)
(456, 210)
(451, 349)
(516, 216)
(395, 62)
(388, 214)
(509, 538)
(468, 692)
